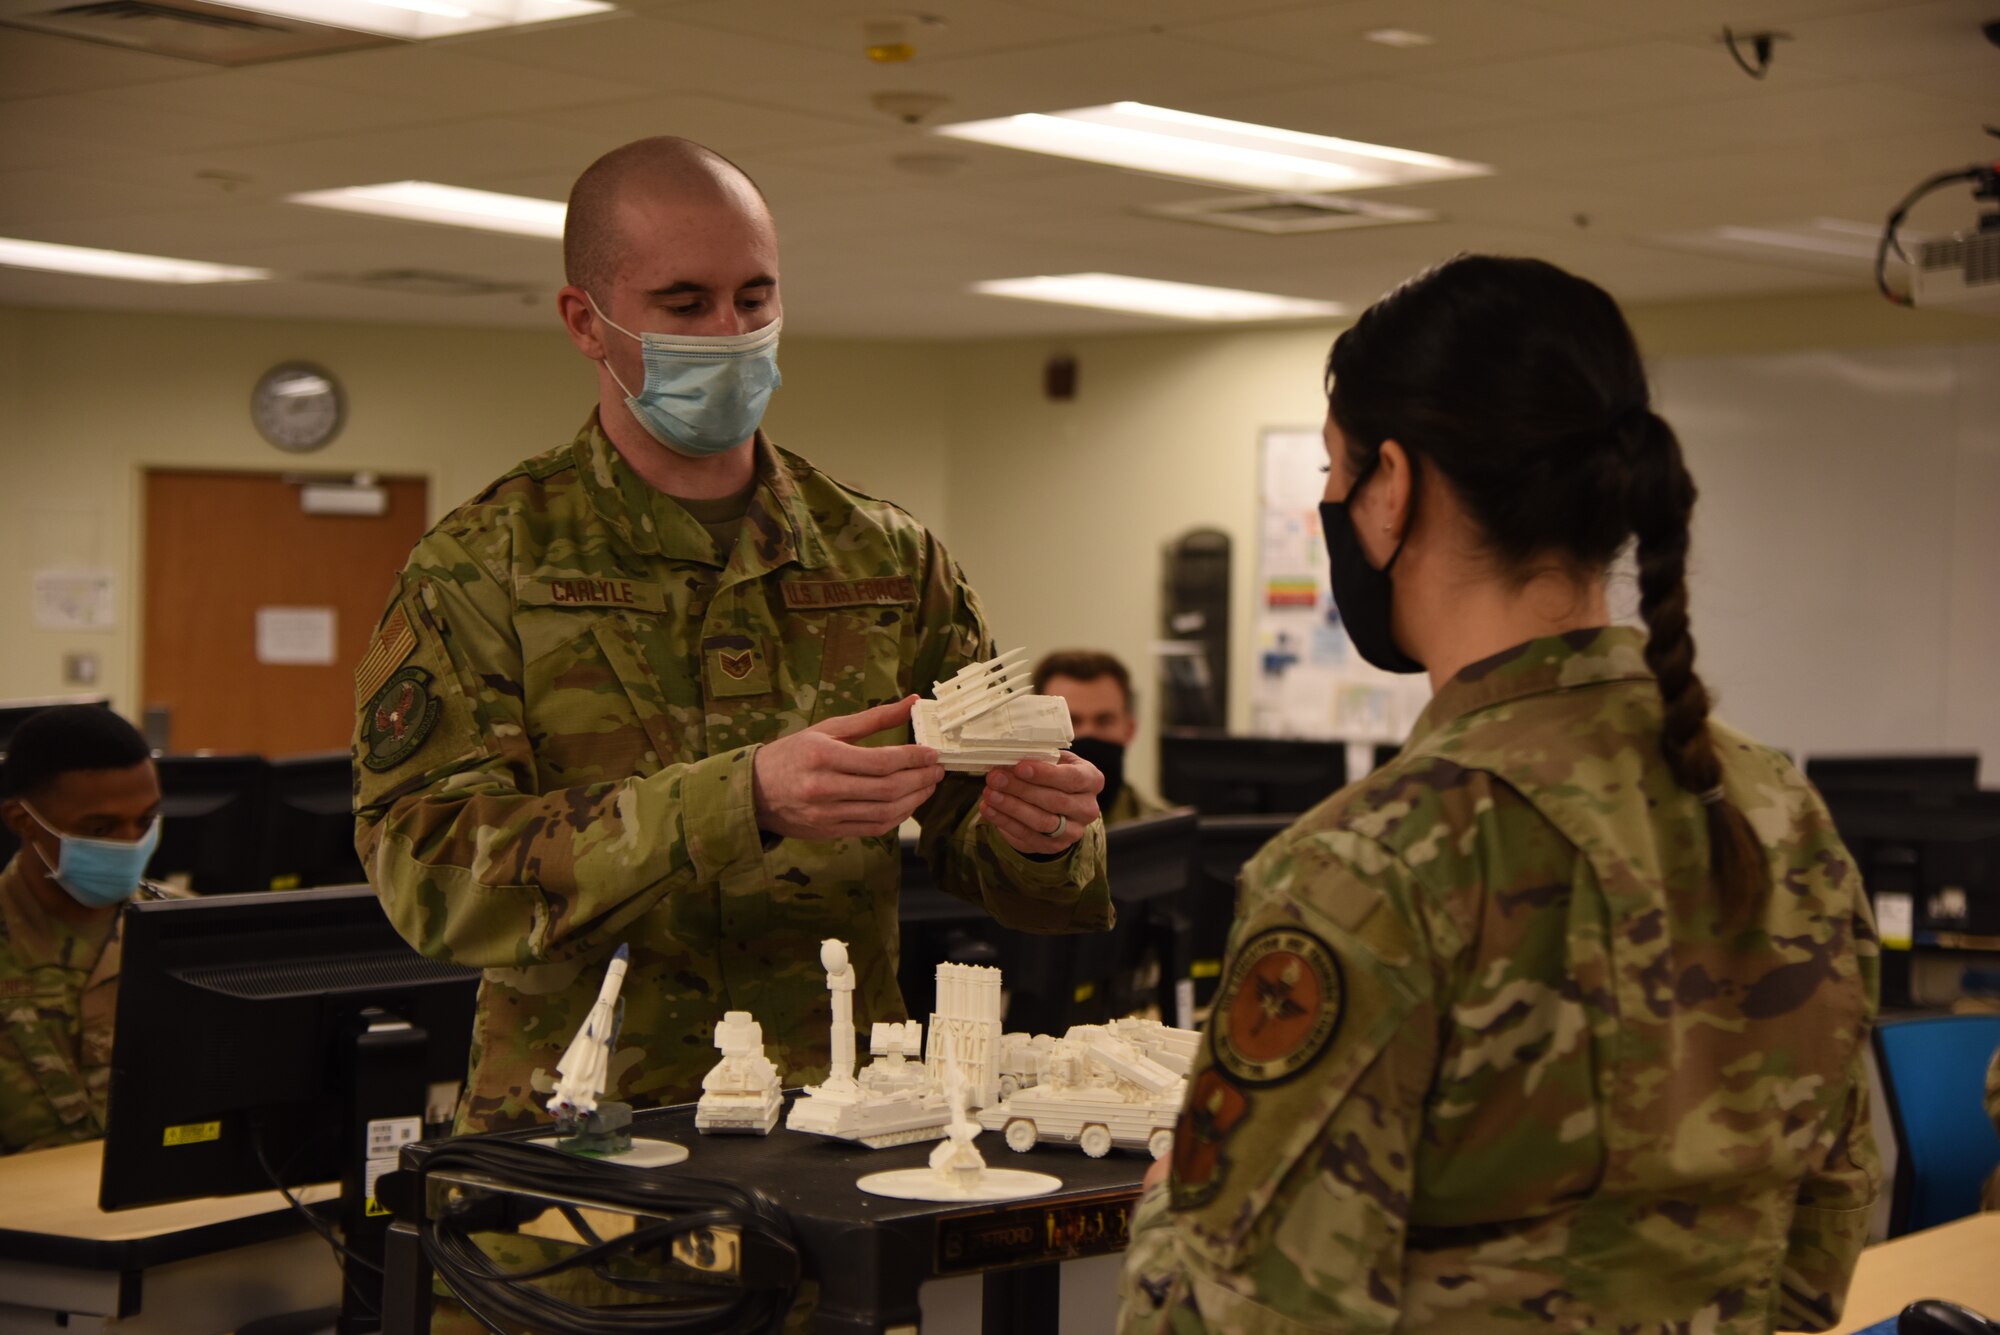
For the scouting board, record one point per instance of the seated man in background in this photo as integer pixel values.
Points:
(80, 792)
(1098, 690)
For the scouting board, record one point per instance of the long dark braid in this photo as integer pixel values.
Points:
(1661, 504)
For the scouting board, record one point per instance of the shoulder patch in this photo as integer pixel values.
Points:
(1208, 1119)
(399, 718)
(1278, 1007)
(393, 643)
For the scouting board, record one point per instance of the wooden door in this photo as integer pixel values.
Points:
(223, 550)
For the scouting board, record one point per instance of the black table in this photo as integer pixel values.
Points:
(870, 1254)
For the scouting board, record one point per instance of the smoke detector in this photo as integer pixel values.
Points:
(909, 108)
(1285, 214)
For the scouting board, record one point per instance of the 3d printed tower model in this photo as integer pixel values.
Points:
(894, 1101)
(986, 717)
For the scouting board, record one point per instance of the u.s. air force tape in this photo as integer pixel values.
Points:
(1280, 1005)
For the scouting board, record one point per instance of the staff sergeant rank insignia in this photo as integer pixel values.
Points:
(399, 718)
(1278, 1008)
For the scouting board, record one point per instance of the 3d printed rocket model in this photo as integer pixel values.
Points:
(591, 1128)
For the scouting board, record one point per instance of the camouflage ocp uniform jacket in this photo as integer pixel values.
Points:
(557, 722)
(1488, 1055)
(58, 1000)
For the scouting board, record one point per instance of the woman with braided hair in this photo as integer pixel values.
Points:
(1557, 1021)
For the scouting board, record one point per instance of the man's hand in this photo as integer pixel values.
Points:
(1042, 808)
(818, 784)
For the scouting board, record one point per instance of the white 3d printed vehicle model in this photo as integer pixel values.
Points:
(1105, 1085)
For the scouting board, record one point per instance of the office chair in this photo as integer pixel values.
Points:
(1934, 1072)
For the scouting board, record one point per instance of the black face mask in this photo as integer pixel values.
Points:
(1361, 592)
(1109, 757)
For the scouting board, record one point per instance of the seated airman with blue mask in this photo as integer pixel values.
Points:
(80, 792)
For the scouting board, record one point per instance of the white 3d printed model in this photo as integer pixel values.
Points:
(585, 1126)
(583, 1069)
(958, 1171)
(1104, 1085)
(895, 1101)
(741, 1093)
(985, 717)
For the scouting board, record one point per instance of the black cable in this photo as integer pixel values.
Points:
(756, 1297)
(342, 1254)
(1895, 222)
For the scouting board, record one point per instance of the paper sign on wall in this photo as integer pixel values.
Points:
(295, 636)
(74, 600)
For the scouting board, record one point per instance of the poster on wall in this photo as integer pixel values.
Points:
(74, 599)
(1310, 682)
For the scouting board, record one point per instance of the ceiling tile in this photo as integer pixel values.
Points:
(1647, 73)
(728, 126)
(1466, 32)
(35, 64)
(967, 27)
(97, 118)
(454, 76)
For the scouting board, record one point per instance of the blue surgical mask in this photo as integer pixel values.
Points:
(100, 872)
(703, 395)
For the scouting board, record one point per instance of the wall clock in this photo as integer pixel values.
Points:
(298, 407)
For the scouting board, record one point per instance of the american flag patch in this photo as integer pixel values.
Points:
(386, 652)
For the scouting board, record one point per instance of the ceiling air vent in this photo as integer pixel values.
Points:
(191, 29)
(1285, 214)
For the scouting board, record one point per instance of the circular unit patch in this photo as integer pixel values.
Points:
(400, 716)
(1279, 1006)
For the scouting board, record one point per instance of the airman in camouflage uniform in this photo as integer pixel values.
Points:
(594, 715)
(556, 759)
(1475, 1066)
(75, 770)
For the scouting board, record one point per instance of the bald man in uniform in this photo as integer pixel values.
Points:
(653, 688)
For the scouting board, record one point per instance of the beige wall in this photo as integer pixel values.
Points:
(89, 400)
(1057, 511)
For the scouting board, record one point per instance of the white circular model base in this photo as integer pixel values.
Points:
(643, 1154)
(995, 1184)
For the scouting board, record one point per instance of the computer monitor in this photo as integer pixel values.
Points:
(212, 827)
(1221, 775)
(13, 713)
(1055, 981)
(1941, 773)
(1931, 866)
(264, 1038)
(309, 831)
(1223, 844)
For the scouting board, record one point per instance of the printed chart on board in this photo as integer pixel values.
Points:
(1309, 681)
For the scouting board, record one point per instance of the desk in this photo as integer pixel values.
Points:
(194, 1266)
(871, 1254)
(1959, 1262)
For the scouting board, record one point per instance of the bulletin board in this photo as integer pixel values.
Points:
(1309, 679)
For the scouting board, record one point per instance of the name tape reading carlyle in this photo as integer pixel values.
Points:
(583, 591)
(849, 592)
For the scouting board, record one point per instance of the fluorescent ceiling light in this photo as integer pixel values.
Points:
(1153, 296)
(1181, 144)
(120, 264)
(454, 206)
(1819, 242)
(416, 20)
